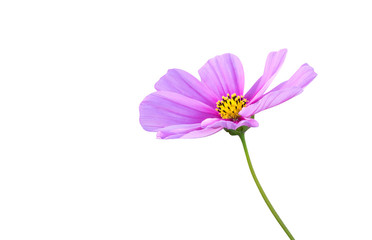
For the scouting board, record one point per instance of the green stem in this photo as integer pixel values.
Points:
(262, 191)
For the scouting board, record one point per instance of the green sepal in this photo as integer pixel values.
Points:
(239, 131)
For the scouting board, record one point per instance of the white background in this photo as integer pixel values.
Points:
(76, 164)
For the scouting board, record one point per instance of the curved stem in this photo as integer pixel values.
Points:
(262, 191)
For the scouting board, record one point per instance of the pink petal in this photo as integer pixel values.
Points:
(223, 74)
(269, 100)
(273, 63)
(302, 77)
(162, 109)
(218, 123)
(184, 83)
(209, 121)
(177, 129)
(201, 133)
(185, 131)
(249, 122)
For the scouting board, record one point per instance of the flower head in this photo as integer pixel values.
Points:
(184, 107)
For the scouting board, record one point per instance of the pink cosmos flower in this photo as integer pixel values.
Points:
(184, 107)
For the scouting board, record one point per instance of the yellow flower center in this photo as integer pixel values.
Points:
(230, 106)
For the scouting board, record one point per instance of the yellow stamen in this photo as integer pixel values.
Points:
(230, 106)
